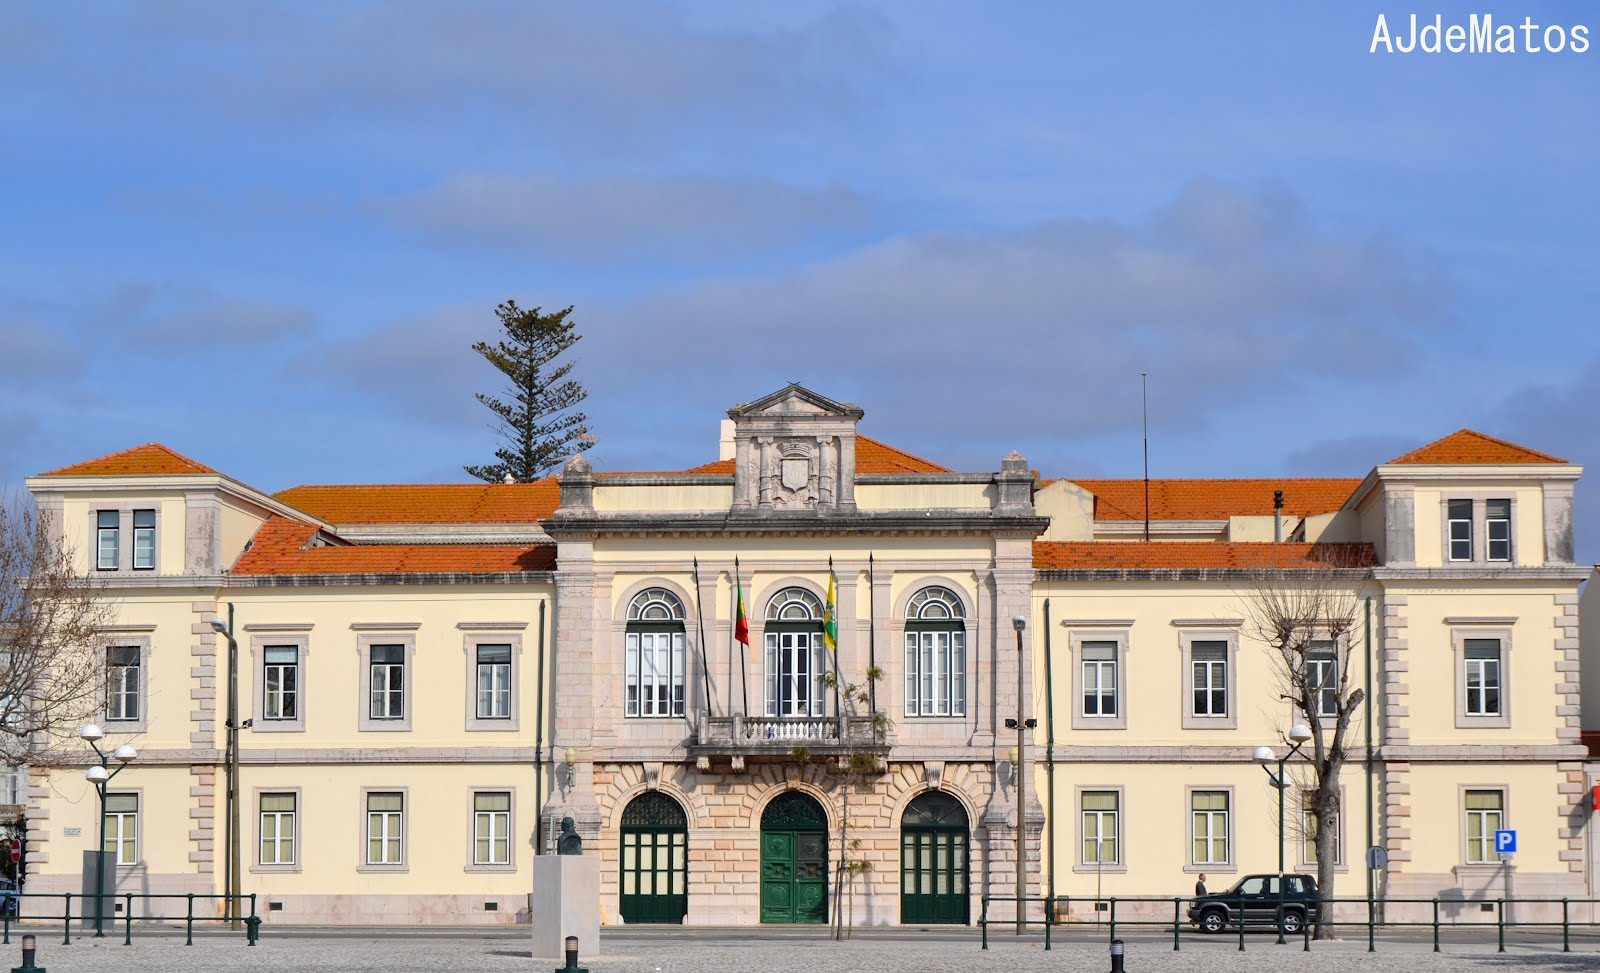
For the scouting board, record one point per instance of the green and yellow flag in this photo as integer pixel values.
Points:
(830, 617)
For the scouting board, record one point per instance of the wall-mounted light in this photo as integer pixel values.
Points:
(572, 766)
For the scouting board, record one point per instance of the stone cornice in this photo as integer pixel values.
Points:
(1194, 574)
(428, 578)
(1549, 572)
(917, 479)
(927, 522)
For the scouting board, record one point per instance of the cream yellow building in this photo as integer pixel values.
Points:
(435, 676)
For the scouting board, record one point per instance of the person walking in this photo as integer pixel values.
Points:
(1200, 886)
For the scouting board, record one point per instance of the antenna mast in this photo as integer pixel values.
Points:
(1144, 399)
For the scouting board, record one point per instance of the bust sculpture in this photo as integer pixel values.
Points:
(569, 843)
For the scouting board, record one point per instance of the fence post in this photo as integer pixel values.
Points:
(127, 920)
(1500, 923)
(188, 923)
(1049, 916)
(1240, 920)
(1305, 930)
(253, 926)
(1177, 906)
(1113, 916)
(7, 918)
(983, 922)
(1566, 945)
(1372, 927)
(66, 938)
(1436, 925)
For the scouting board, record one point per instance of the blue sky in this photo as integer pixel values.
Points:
(266, 234)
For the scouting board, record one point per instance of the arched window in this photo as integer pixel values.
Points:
(936, 654)
(655, 656)
(795, 654)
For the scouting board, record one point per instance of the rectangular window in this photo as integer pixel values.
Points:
(122, 828)
(280, 691)
(654, 673)
(1482, 659)
(494, 682)
(1100, 828)
(1210, 662)
(388, 682)
(936, 672)
(1485, 816)
(1099, 678)
(1322, 677)
(1459, 517)
(122, 682)
(385, 820)
(108, 540)
(1497, 529)
(277, 829)
(491, 828)
(144, 540)
(1209, 813)
(1308, 827)
(795, 668)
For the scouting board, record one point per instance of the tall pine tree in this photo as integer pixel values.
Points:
(539, 427)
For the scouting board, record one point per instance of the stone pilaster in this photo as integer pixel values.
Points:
(202, 540)
(574, 691)
(203, 700)
(1558, 533)
(1399, 526)
(38, 819)
(1394, 698)
(1569, 708)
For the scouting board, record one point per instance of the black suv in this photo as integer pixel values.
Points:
(1254, 900)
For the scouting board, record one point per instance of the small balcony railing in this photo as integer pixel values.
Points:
(738, 737)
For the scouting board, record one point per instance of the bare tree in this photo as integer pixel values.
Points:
(51, 618)
(1305, 617)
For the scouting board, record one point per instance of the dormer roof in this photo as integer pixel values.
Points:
(795, 400)
(151, 459)
(1467, 447)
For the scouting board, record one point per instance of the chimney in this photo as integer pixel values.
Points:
(1277, 516)
(725, 449)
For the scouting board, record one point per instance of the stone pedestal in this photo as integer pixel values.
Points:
(566, 902)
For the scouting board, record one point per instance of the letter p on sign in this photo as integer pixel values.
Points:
(1505, 842)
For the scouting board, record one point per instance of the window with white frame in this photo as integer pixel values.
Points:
(1497, 529)
(277, 829)
(122, 683)
(280, 682)
(144, 540)
(1309, 826)
(653, 670)
(936, 654)
(795, 655)
(1209, 662)
(1458, 521)
(1099, 661)
(493, 671)
(1485, 811)
(491, 828)
(1322, 676)
(1100, 828)
(108, 540)
(385, 824)
(1481, 657)
(387, 665)
(122, 828)
(1208, 813)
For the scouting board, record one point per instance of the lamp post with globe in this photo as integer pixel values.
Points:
(100, 775)
(1299, 735)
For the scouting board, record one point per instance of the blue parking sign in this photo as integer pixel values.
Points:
(1505, 842)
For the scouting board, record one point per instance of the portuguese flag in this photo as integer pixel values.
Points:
(741, 624)
(830, 617)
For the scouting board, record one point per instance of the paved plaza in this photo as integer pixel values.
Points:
(395, 951)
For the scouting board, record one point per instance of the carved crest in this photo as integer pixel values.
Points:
(796, 471)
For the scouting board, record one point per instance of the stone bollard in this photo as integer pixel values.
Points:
(1116, 956)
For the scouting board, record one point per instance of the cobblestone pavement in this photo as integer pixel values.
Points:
(393, 952)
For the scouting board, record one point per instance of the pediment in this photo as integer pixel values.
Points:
(794, 400)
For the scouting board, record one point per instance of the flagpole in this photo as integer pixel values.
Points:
(744, 677)
(833, 588)
(872, 634)
(700, 620)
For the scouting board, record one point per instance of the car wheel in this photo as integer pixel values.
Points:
(1293, 922)
(1213, 921)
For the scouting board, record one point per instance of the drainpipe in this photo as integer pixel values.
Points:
(1368, 708)
(1277, 516)
(538, 739)
(1050, 762)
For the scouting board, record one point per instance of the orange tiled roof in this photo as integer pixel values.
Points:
(427, 503)
(1174, 555)
(1465, 447)
(871, 457)
(151, 459)
(282, 546)
(1216, 499)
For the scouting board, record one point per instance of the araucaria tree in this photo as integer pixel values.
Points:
(52, 666)
(539, 425)
(1306, 618)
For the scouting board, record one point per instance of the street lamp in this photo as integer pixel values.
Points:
(231, 868)
(1299, 734)
(100, 775)
(1020, 622)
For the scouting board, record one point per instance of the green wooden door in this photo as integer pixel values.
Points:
(655, 860)
(794, 860)
(933, 862)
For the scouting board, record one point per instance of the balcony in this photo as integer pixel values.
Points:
(738, 738)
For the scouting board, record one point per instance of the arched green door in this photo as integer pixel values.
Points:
(794, 860)
(933, 861)
(655, 860)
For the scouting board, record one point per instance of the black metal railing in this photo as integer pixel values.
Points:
(35, 908)
(1170, 913)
